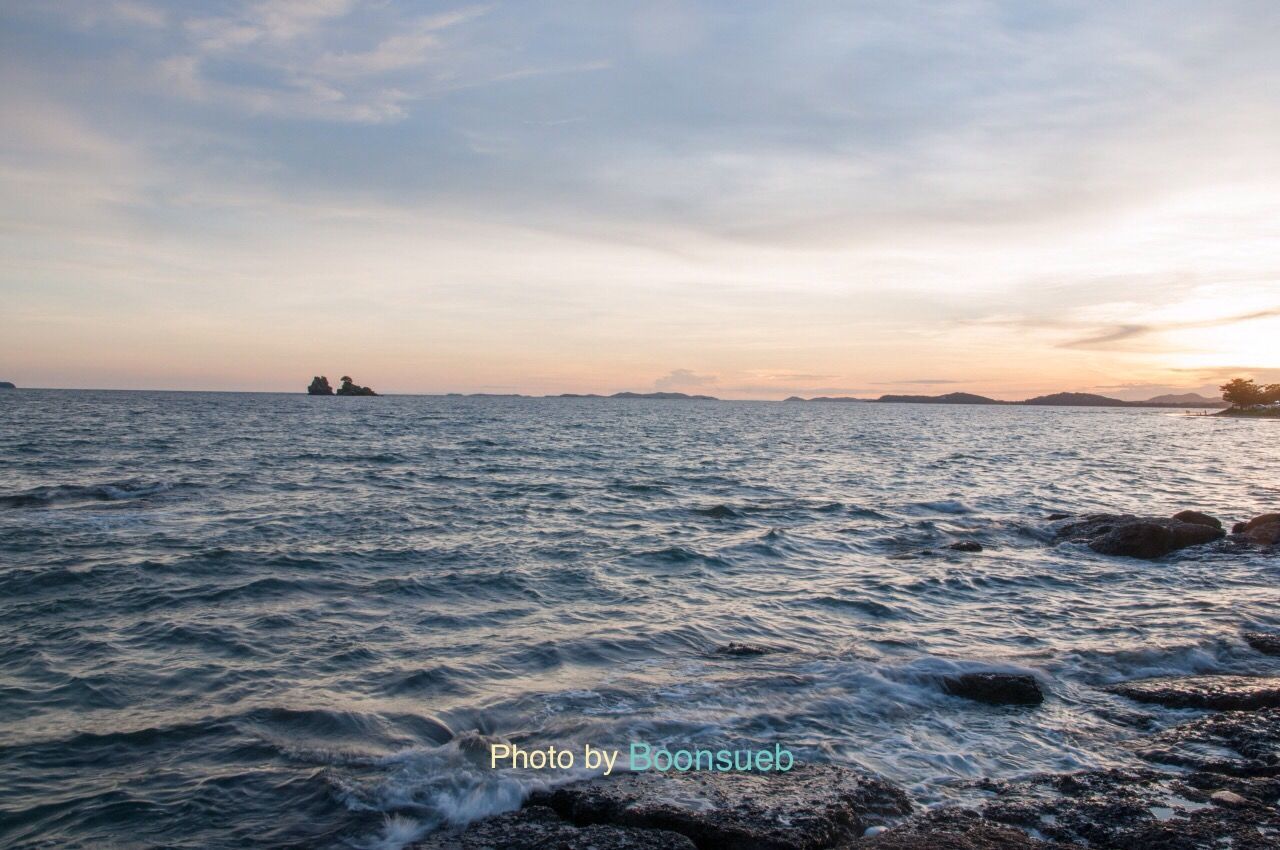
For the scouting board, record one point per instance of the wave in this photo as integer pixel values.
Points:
(116, 491)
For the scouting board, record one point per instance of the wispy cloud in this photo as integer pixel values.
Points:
(1120, 333)
(683, 378)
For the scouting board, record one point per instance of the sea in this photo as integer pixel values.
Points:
(274, 620)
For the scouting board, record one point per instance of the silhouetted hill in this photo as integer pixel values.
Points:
(949, 398)
(1075, 400)
(1186, 400)
(668, 396)
(7, 385)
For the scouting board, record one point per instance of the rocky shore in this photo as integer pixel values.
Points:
(1210, 782)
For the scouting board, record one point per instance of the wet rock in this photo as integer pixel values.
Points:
(1256, 522)
(810, 806)
(966, 546)
(1228, 798)
(955, 829)
(1138, 537)
(1268, 643)
(319, 386)
(1238, 743)
(1221, 693)
(1198, 518)
(537, 827)
(1129, 810)
(1263, 535)
(995, 688)
(744, 650)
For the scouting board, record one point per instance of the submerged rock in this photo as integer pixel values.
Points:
(1268, 643)
(966, 546)
(319, 386)
(1221, 693)
(744, 650)
(537, 827)
(995, 688)
(1140, 537)
(811, 806)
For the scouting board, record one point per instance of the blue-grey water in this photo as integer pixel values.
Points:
(232, 620)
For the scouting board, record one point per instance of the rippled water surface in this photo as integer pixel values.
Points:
(271, 620)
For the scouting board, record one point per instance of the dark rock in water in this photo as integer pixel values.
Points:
(744, 650)
(811, 806)
(350, 388)
(1221, 693)
(1138, 537)
(1268, 643)
(966, 546)
(7, 385)
(537, 828)
(1054, 517)
(995, 688)
(319, 386)
(1263, 535)
(1198, 518)
(718, 512)
(1260, 520)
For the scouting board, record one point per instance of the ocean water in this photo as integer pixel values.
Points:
(233, 620)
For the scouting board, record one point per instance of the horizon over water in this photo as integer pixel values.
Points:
(274, 620)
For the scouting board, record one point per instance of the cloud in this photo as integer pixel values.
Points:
(927, 381)
(1104, 339)
(678, 378)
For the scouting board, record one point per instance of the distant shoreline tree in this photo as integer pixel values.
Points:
(1243, 393)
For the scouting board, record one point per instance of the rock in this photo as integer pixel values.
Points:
(319, 386)
(7, 385)
(537, 827)
(348, 387)
(1138, 537)
(1221, 693)
(1128, 810)
(1198, 518)
(995, 688)
(1237, 743)
(966, 546)
(1228, 798)
(1268, 643)
(1261, 519)
(811, 806)
(743, 650)
(1264, 535)
(951, 830)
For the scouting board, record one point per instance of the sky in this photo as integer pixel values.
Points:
(746, 199)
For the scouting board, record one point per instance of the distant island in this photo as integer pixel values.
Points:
(8, 385)
(320, 386)
(1053, 400)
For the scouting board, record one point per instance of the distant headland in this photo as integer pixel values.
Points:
(8, 385)
(1250, 399)
(1053, 400)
